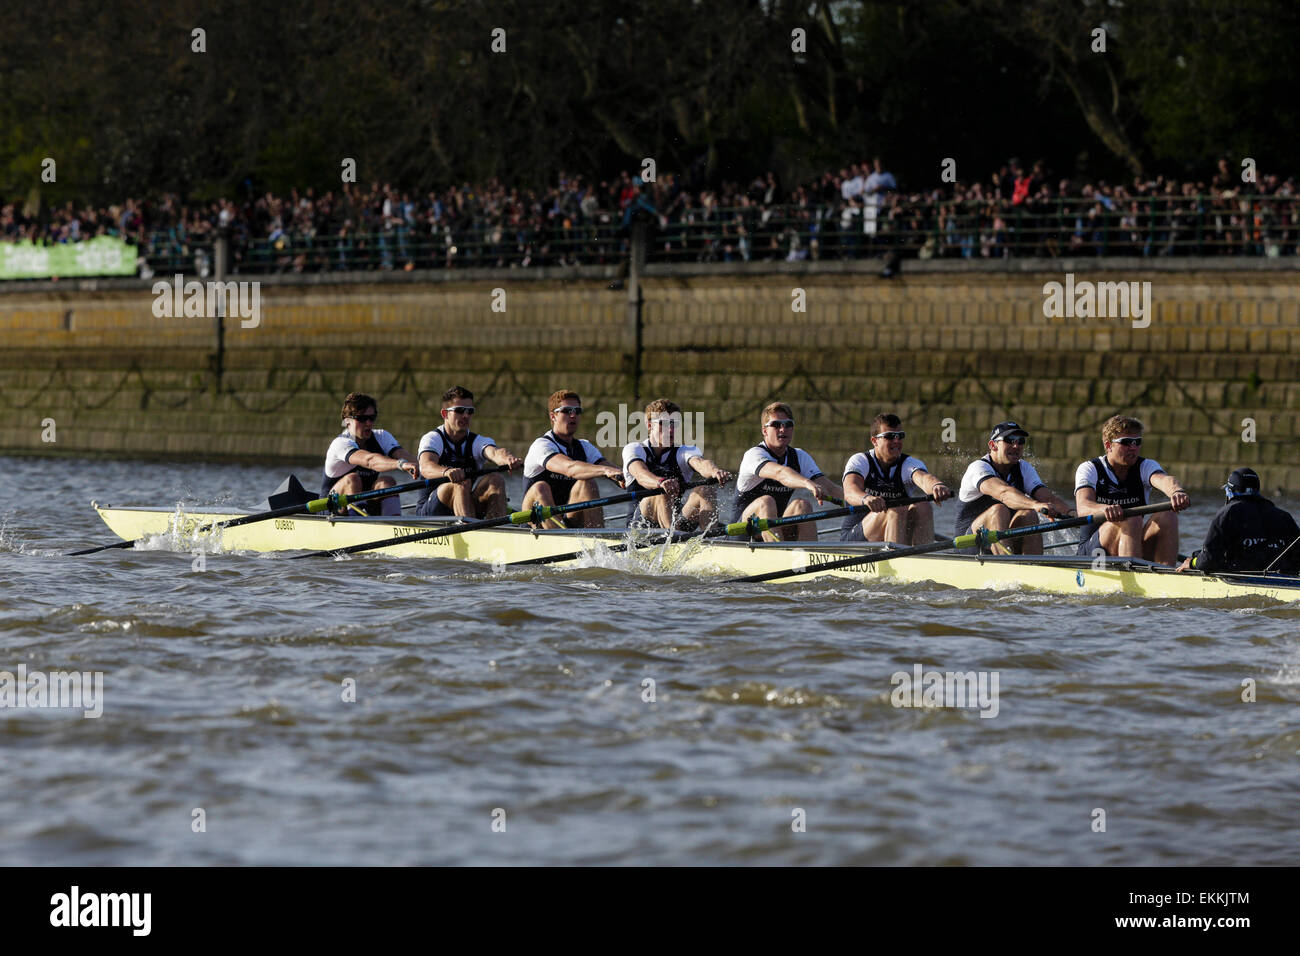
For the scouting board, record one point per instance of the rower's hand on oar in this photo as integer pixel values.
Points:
(1185, 566)
(512, 462)
(1114, 513)
(723, 476)
(408, 466)
(615, 475)
(671, 487)
(453, 475)
(1180, 501)
(941, 493)
(874, 503)
(815, 490)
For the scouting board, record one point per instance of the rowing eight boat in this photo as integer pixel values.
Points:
(510, 545)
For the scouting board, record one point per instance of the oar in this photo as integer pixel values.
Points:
(535, 515)
(983, 536)
(1282, 555)
(333, 501)
(750, 526)
(756, 526)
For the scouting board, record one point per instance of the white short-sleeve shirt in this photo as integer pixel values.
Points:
(1086, 475)
(547, 447)
(640, 451)
(436, 442)
(759, 455)
(860, 466)
(336, 458)
(979, 470)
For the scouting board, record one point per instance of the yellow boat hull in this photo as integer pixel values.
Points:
(510, 545)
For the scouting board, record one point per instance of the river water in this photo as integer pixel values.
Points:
(502, 719)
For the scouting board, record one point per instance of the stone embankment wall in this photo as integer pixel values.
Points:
(952, 350)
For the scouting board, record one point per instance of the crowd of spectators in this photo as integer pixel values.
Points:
(858, 211)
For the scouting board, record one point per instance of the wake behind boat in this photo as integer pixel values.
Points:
(507, 546)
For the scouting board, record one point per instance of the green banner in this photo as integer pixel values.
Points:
(101, 256)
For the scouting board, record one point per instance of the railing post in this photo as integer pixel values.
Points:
(1151, 223)
(220, 266)
(635, 303)
(1200, 219)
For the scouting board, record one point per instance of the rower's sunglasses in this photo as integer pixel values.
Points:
(460, 409)
(781, 423)
(891, 436)
(364, 418)
(570, 410)
(1127, 441)
(1014, 441)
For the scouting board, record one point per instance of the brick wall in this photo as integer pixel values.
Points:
(976, 348)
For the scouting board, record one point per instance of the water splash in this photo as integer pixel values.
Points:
(1289, 672)
(181, 535)
(9, 541)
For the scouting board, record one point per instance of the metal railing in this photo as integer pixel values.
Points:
(1267, 226)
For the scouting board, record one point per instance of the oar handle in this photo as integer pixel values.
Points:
(961, 541)
(538, 514)
(755, 526)
(338, 500)
(991, 535)
(734, 529)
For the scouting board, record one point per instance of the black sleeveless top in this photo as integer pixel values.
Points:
(885, 481)
(368, 475)
(561, 485)
(770, 486)
(970, 510)
(664, 465)
(454, 455)
(1129, 492)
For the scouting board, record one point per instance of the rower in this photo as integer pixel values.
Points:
(561, 468)
(773, 470)
(452, 449)
(1249, 534)
(659, 462)
(884, 474)
(355, 458)
(1121, 479)
(1000, 491)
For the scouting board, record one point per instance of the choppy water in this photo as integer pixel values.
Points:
(523, 693)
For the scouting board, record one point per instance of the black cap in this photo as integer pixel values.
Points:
(1006, 430)
(1243, 481)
